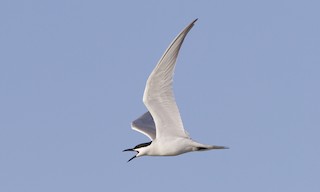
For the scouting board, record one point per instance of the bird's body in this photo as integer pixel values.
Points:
(162, 122)
(165, 147)
(172, 146)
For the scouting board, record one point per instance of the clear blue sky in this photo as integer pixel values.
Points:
(72, 76)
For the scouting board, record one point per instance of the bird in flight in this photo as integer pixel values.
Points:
(162, 122)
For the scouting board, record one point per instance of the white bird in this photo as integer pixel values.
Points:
(162, 123)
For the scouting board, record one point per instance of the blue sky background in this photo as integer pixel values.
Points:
(72, 76)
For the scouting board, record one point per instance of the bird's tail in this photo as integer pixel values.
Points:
(202, 147)
(218, 147)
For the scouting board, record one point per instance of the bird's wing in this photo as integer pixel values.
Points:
(145, 125)
(158, 94)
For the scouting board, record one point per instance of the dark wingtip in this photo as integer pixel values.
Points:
(193, 22)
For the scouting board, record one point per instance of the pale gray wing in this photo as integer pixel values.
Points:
(158, 94)
(145, 125)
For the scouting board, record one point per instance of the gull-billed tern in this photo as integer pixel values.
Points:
(162, 122)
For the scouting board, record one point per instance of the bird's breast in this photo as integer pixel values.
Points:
(170, 147)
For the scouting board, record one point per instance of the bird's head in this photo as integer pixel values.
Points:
(141, 150)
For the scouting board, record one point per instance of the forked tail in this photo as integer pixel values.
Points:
(209, 147)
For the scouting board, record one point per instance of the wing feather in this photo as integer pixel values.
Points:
(145, 125)
(158, 95)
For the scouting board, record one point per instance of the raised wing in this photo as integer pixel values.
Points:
(158, 94)
(145, 125)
